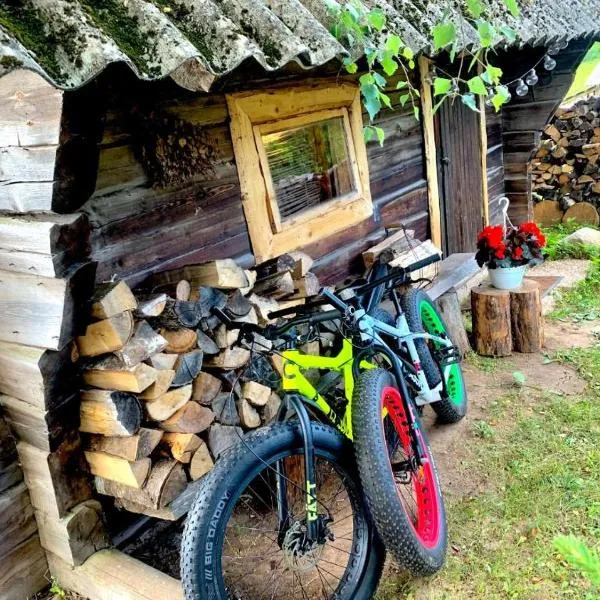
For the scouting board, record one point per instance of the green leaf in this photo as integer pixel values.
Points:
(401, 84)
(475, 8)
(519, 378)
(408, 53)
(385, 99)
(486, 33)
(376, 18)
(509, 33)
(350, 65)
(578, 555)
(380, 135)
(443, 35)
(371, 54)
(494, 74)
(501, 96)
(513, 7)
(366, 79)
(477, 86)
(417, 113)
(379, 79)
(393, 43)
(403, 99)
(411, 64)
(441, 86)
(388, 64)
(368, 133)
(469, 100)
(474, 59)
(371, 102)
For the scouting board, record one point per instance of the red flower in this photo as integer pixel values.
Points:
(492, 235)
(531, 229)
(500, 251)
(518, 253)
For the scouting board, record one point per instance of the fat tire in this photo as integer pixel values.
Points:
(446, 410)
(228, 475)
(386, 507)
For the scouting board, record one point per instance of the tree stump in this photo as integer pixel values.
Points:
(449, 307)
(527, 324)
(491, 321)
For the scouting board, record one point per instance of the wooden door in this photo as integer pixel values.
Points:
(459, 176)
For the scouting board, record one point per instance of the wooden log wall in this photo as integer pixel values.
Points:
(524, 118)
(23, 564)
(150, 211)
(45, 281)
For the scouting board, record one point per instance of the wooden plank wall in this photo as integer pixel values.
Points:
(495, 164)
(524, 118)
(138, 228)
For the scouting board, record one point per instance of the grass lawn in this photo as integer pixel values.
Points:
(586, 68)
(536, 457)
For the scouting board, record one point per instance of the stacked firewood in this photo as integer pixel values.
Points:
(167, 386)
(566, 166)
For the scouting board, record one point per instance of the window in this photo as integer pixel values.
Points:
(301, 162)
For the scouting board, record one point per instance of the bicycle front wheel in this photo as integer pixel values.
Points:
(404, 498)
(234, 548)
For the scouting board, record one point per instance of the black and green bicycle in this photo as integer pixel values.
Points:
(299, 509)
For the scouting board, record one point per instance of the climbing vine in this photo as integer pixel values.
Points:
(364, 30)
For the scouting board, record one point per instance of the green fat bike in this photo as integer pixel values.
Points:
(290, 511)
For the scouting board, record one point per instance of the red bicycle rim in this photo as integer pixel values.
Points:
(418, 495)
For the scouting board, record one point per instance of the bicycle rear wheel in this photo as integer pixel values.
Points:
(232, 546)
(404, 498)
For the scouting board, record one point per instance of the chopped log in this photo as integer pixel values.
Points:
(130, 448)
(144, 343)
(221, 437)
(225, 337)
(165, 482)
(111, 299)
(187, 368)
(261, 370)
(162, 384)
(209, 298)
(179, 341)
(231, 382)
(183, 290)
(163, 361)
(75, 537)
(133, 474)
(109, 413)
(251, 277)
(202, 462)
(278, 285)
(225, 409)
(222, 274)
(526, 317)
(303, 264)
(191, 418)
(583, 213)
(238, 305)
(248, 414)
(279, 264)
(151, 306)
(178, 314)
(230, 358)
(133, 379)
(206, 344)
(256, 393)
(400, 241)
(448, 306)
(408, 257)
(547, 212)
(181, 446)
(106, 336)
(307, 286)
(264, 306)
(168, 404)
(491, 321)
(271, 408)
(205, 388)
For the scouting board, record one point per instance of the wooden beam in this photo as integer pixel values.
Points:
(483, 150)
(39, 311)
(17, 523)
(24, 570)
(435, 219)
(110, 574)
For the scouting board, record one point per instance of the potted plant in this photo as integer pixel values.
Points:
(508, 251)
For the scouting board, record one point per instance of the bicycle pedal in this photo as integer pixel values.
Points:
(449, 355)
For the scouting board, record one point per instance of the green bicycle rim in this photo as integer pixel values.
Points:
(434, 326)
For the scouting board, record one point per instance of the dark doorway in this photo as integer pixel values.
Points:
(459, 174)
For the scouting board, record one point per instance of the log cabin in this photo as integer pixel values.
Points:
(138, 137)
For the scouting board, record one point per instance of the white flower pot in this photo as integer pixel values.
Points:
(508, 278)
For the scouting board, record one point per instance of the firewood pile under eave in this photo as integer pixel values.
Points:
(167, 388)
(566, 167)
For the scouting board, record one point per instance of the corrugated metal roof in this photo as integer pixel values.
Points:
(195, 41)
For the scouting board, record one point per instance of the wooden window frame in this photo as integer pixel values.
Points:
(255, 113)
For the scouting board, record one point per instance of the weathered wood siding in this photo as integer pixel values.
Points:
(138, 228)
(524, 118)
(495, 164)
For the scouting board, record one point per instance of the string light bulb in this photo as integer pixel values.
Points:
(553, 49)
(531, 78)
(549, 63)
(489, 98)
(522, 88)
